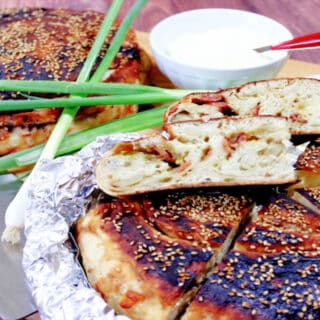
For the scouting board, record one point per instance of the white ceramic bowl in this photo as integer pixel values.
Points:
(197, 74)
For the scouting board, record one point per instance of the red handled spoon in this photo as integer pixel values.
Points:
(307, 41)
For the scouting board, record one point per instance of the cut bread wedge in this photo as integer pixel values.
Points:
(296, 99)
(146, 270)
(221, 152)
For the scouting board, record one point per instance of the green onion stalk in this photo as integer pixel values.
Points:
(142, 98)
(76, 88)
(14, 217)
(113, 93)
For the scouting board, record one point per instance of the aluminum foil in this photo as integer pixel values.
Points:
(58, 192)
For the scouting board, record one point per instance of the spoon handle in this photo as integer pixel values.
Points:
(307, 41)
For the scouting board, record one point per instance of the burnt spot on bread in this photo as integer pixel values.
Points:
(11, 15)
(29, 118)
(130, 52)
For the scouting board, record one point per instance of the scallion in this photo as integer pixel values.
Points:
(142, 98)
(68, 87)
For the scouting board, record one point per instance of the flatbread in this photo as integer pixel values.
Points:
(52, 44)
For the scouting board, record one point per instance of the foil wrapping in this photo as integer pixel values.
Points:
(58, 192)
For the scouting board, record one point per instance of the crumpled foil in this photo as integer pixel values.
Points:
(58, 192)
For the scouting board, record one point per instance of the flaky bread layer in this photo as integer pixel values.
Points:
(220, 152)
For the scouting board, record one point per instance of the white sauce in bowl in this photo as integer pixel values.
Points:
(225, 48)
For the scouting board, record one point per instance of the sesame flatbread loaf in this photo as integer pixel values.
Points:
(52, 44)
(264, 263)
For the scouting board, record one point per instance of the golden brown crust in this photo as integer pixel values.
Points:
(272, 272)
(52, 44)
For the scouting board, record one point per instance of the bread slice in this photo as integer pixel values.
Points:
(296, 99)
(52, 44)
(271, 273)
(147, 270)
(221, 152)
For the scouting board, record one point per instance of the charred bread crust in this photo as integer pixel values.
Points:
(220, 152)
(161, 263)
(52, 44)
(271, 273)
(261, 291)
(296, 99)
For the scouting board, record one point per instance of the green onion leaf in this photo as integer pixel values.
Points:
(87, 88)
(142, 98)
(117, 40)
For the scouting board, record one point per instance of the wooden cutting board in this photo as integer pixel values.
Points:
(292, 68)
